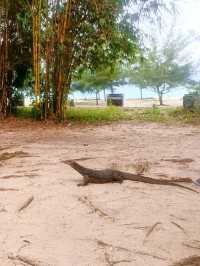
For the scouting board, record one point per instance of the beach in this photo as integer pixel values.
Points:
(47, 220)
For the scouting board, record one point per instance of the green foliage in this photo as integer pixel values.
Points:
(75, 36)
(195, 87)
(27, 112)
(99, 80)
(161, 71)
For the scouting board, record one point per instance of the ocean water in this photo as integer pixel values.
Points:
(132, 92)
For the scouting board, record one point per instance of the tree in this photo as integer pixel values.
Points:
(161, 70)
(99, 80)
(15, 52)
(67, 37)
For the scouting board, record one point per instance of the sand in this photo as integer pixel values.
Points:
(46, 220)
(148, 103)
(134, 103)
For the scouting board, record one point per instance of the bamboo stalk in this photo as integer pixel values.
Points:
(36, 18)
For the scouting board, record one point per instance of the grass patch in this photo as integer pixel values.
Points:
(148, 115)
(166, 115)
(185, 116)
(111, 114)
(96, 115)
(27, 112)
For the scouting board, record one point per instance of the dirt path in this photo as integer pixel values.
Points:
(46, 220)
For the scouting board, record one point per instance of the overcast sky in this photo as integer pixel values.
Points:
(189, 15)
(188, 20)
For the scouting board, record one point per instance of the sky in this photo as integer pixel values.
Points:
(189, 17)
(187, 21)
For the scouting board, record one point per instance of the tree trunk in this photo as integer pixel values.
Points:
(4, 63)
(141, 93)
(3, 103)
(36, 17)
(59, 104)
(104, 93)
(63, 58)
(46, 111)
(160, 96)
(161, 99)
(48, 58)
(97, 98)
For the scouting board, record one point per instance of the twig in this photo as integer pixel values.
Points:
(191, 246)
(5, 148)
(18, 176)
(8, 189)
(10, 176)
(26, 244)
(26, 204)
(178, 218)
(108, 259)
(182, 179)
(111, 262)
(25, 260)
(103, 244)
(120, 261)
(134, 251)
(151, 229)
(181, 161)
(30, 175)
(180, 227)
(101, 213)
(149, 255)
(3, 210)
(9, 155)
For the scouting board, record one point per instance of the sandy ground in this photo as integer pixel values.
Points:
(170, 102)
(111, 224)
(134, 103)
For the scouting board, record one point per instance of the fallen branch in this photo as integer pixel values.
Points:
(192, 245)
(26, 204)
(143, 253)
(182, 180)
(26, 244)
(10, 176)
(5, 148)
(31, 262)
(103, 244)
(111, 262)
(101, 213)
(8, 189)
(17, 176)
(19, 154)
(115, 176)
(181, 161)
